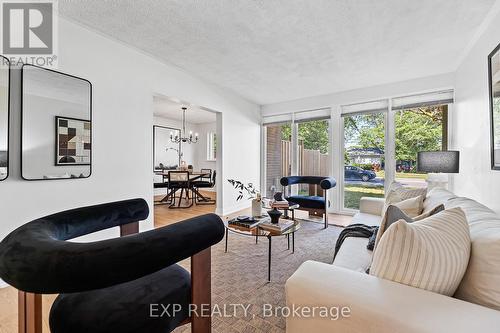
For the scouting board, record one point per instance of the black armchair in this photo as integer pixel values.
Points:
(315, 203)
(110, 285)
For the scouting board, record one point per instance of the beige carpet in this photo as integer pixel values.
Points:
(240, 275)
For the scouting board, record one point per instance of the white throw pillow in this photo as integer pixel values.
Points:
(397, 192)
(430, 254)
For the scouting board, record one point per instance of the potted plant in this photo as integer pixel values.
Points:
(250, 192)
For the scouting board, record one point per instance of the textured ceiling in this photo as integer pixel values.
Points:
(167, 108)
(275, 50)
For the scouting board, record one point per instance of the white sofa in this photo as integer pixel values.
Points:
(378, 305)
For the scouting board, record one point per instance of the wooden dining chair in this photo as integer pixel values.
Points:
(179, 181)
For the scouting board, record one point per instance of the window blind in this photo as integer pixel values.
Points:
(421, 100)
(311, 115)
(367, 107)
(277, 119)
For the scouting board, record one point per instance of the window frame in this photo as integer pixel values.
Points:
(211, 146)
(336, 146)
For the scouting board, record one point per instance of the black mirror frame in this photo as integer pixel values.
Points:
(8, 117)
(492, 120)
(22, 121)
(154, 136)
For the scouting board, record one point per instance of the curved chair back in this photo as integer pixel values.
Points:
(325, 183)
(37, 257)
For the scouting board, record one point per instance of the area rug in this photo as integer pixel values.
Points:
(240, 276)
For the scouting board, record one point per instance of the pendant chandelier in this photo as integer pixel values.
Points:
(183, 137)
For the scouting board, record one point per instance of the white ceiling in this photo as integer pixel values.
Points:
(168, 108)
(275, 50)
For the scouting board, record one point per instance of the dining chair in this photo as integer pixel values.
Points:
(207, 174)
(205, 184)
(161, 182)
(179, 180)
(111, 285)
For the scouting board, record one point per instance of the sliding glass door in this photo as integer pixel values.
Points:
(278, 157)
(364, 157)
(371, 144)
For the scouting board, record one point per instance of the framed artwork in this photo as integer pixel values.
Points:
(494, 92)
(166, 154)
(73, 141)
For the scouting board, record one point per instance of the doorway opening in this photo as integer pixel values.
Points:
(187, 160)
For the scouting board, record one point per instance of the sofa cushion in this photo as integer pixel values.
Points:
(354, 255)
(481, 282)
(435, 197)
(430, 254)
(308, 201)
(474, 211)
(367, 219)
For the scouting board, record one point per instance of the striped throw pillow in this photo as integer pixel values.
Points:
(397, 192)
(430, 254)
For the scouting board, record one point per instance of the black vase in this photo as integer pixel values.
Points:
(274, 214)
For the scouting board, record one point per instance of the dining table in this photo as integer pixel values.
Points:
(193, 175)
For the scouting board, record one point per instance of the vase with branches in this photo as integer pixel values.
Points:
(250, 192)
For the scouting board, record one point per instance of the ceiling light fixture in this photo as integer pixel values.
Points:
(183, 137)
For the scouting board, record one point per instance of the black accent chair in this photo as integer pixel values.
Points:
(205, 182)
(112, 285)
(316, 202)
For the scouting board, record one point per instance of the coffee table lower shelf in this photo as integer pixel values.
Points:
(259, 232)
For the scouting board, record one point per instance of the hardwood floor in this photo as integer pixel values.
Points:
(162, 216)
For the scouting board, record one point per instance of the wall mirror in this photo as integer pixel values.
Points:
(4, 117)
(56, 128)
(166, 154)
(494, 82)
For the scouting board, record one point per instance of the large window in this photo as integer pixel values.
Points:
(211, 146)
(381, 139)
(418, 129)
(364, 157)
(278, 156)
(313, 157)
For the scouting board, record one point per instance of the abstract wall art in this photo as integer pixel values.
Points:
(73, 141)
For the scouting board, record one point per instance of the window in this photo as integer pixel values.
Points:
(418, 129)
(278, 156)
(364, 157)
(211, 146)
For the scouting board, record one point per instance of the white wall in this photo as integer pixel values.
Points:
(124, 82)
(471, 120)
